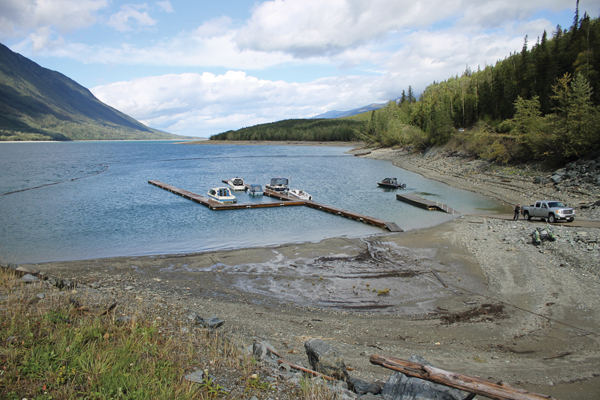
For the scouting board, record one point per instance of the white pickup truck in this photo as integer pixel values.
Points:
(549, 210)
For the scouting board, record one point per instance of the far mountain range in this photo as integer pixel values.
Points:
(342, 114)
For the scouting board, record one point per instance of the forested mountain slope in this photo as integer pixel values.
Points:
(297, 129)
(538, 104)
(39, 104)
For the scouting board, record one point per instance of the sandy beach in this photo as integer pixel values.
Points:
(472, 296)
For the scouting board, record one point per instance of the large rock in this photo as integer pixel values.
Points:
(326, 359)
(212, 323)
(197, 376)
(402, 387)
(359, 386)
(263, 351)
(28, 278)
(28, 270)
(556, 178)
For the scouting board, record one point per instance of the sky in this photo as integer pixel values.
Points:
(198, 68)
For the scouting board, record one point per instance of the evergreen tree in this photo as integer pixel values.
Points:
(411, 97)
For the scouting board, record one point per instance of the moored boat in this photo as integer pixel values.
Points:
(391, 183)
(236, 184)
(254, 190)
(222, 195)
(300, 194)
(279, 185)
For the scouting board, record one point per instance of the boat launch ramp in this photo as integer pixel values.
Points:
(420, 202)
(285, 201)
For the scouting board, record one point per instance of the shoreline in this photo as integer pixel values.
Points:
(273, 143)
(543, 335)
(507, 184)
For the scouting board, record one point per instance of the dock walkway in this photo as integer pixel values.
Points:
(284, 201)
(424, 203)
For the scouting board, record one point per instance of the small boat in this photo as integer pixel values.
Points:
(236, 184)
(222, 195)
(392, 183)
(254, 190)
(301, 194)
(279, 185)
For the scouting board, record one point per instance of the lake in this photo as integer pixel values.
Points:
(83, 200)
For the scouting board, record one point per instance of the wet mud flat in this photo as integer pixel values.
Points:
(495, 307)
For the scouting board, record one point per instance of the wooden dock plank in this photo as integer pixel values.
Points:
(285, 200)
(424, 203)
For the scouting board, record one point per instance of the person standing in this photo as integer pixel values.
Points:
(517, 212)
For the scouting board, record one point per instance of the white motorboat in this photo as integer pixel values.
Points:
(236, 184)
(254, 190)
(279, 185)
(222, 195)
(300, 194)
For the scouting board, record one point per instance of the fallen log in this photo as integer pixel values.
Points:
(467, 383)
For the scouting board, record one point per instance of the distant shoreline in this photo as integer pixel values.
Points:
(30, 141)
(90, 140)
(276, 142)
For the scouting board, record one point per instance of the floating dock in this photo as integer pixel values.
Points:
(284, 201)
(215, 205)
(424, 203)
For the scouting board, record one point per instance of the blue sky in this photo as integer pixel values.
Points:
(198, 68)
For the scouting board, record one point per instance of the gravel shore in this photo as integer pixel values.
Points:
(497, 306)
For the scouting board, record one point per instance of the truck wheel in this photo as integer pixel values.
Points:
(527, 217)
(551, 218)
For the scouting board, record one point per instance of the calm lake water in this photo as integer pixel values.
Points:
(82, 200)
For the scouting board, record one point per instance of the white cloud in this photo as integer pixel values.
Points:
(501, 14)
(165, 6)
(315, 28)
(131, 18)
(209, 45)
(45, 38)
(19, 17)
(205, 104)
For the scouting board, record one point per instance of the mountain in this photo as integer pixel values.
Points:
(341, 114)
(40, 104)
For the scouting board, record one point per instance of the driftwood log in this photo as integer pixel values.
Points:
(309, 371)
(470, 384)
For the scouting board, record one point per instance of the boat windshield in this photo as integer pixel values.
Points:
(279, 181)
(256, 188)
(238, 182)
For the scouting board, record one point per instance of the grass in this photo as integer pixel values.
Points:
(61, 347)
